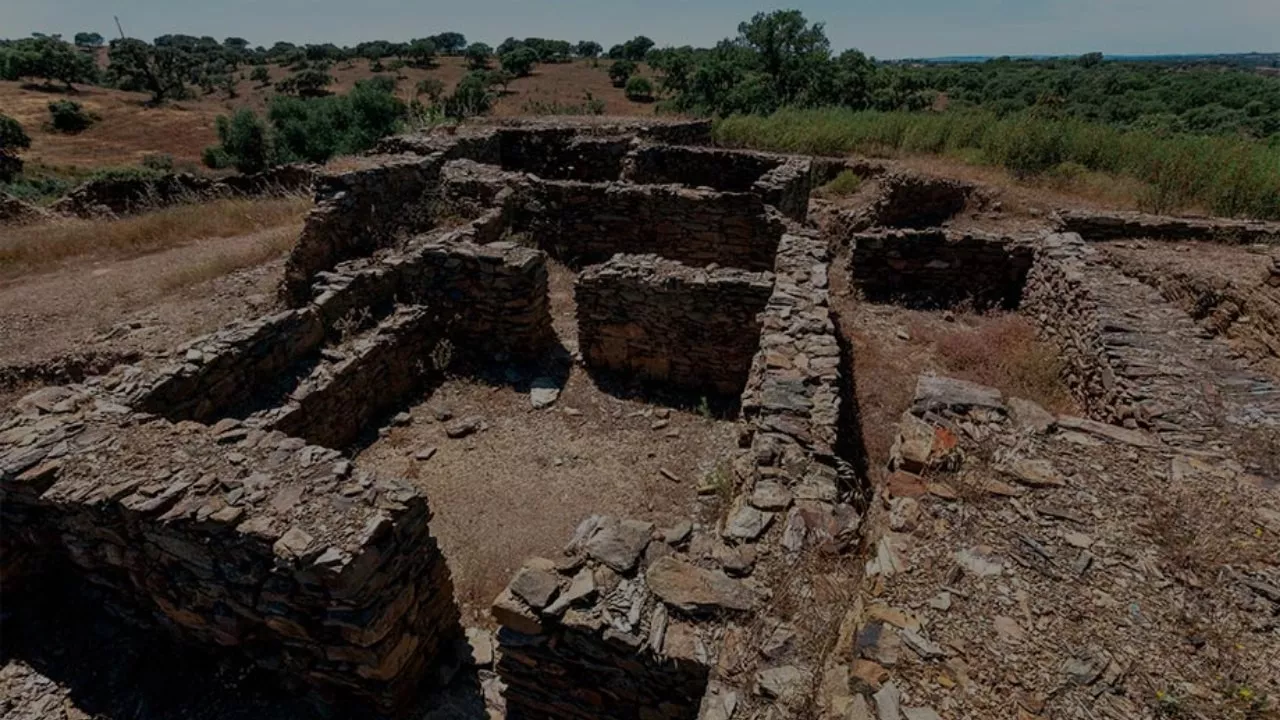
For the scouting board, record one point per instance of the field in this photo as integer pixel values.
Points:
(128, 130)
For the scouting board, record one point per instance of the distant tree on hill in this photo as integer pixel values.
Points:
(49, 58)
(244, 141)
(449, 43)
(634, 49)
(432, 88)
(478, 56)
(261, 75)
(639, 89)
(12, 139)
(421, 53)
(158, 69)
(88, 40)
(621, 71)
(308, 83)
(473, 96)
(236, 44)
(1089, 60)
(519, 62)
(588, 49)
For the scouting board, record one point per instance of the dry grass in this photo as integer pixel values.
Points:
(272, 244)
(1001, 351)
(46, 245)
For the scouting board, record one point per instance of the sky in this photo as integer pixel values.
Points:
(887, 29)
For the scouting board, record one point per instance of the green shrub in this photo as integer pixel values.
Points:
(215, 158)
(161, 162)
(261, 75)
(12, 139)
(69, 117)
(621, 71)
(639, 90)
(244, 140)
(471, 97)
(844, 184)
(519, 62)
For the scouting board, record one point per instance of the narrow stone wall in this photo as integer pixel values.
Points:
(230, 369)
(359, 212)
(233, 538)
(669, 323)
(938, 267)
(109, 197)
(585, 224)
(1100, 226)
(782, 181)
(1058, 299)
(361, 382)
(562, 153)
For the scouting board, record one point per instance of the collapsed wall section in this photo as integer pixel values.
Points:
(1057, 297)
(232, 538)
(939, 267)
(1095, 226)
(694, 329)
(359, 212)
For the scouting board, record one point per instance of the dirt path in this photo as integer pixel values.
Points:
(143, 305)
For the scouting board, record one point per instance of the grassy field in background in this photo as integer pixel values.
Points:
(1222, 175)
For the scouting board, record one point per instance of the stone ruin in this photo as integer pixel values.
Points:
(209, 493)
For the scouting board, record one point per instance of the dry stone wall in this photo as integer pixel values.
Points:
(233, 538)
(109, 197)
(1100, 226)
(932, 267)
(1057, 297)
(359, 212)
(782, 181)
(694, 329)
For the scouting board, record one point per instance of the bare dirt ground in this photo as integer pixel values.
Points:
(128, 130)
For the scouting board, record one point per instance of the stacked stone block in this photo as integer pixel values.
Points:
(782, 181)
(939, 267)
(690, 328)
(233, 538)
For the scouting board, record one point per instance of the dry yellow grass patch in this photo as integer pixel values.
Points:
(45, 245)
(271, 244)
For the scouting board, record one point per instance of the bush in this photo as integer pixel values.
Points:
(621, 71)
(306, 84)
(12, 139)
(471, 97)
(519, 62)
(215, 158)
(639, 89)
(261, 75)
(244, 141)
(842, 185)
(477, 55)
(160, 162)
(69, 117)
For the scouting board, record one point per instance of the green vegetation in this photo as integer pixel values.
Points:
(12, 139)
(621, 71)
(477, 56)
(639, 89)
(1226, 175)
(842, 185)
(306, 84)
(47, 58)
(520, 61)
(590, 105)
(69, 116)
(311, 129)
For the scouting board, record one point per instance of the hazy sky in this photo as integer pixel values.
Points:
(884, 28)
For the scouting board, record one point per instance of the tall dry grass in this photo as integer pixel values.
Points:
(46, 245)
(1230, 176)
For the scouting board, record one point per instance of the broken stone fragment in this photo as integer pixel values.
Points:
(582, 589)
(1029, 417)
(462, 428)
(693, 589)
(479, 647)
(293, 544)
(619, 543)
(511, 612)
(782, 683)
(543, 392)
(914, 444)
(535, 583)
(747, 524)
(938, 394)
(772, 496)
(1034, 473)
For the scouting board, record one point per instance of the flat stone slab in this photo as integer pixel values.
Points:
(934, 392)
(694, 589)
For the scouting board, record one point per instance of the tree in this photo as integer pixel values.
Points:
(432, 88)
(471, 97)
(1089, 60)
(49, 58)
(790, 50)
(69, 117)
(588, 49)
(620, 71)
(478, 56)
(12, 139)
(158, 69)
(308, 83)
(261, 75)
(519, 62)
(88, 40)
(421, 53)
(236, 44)
(636, 48)
(639, 89)
(245, 141)
(449, 43)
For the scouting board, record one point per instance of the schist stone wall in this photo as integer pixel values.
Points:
(691, 328)
(1057, 297)
(585, 223)
(932, 267)
(1100, 226)
(234, 539)
(782, 181)
(359, 212)
(108, 197)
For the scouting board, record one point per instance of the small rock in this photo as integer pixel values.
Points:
(941, 601)
(905, 484)
(922, 646)
(1078, 540)
(782, 683)
(619, 543)
(678, 533)
(1029, 417)
(1035, 473)
(403, 418)
(462, 428)
(1008, 629)
(543, 392)
(424, 454)
(747, 524)
(581, 589)
(442, 414)
(979, 563)
(904, 514)
(694, 589)
(294, 543)
(920, 713)
(889, 702)
(769, 495)
(480, 644)
(535, 585)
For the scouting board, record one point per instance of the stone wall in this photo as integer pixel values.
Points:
(562, 154)
(361, 382)
(108, 197)
(359, 212)
(780, 180)
(232, 538)
(1058, 299)
(585, 224)
(938, 267)
(906, 200)
(1099, 226)
(691, 328)
(19, 212)
(230, 370)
